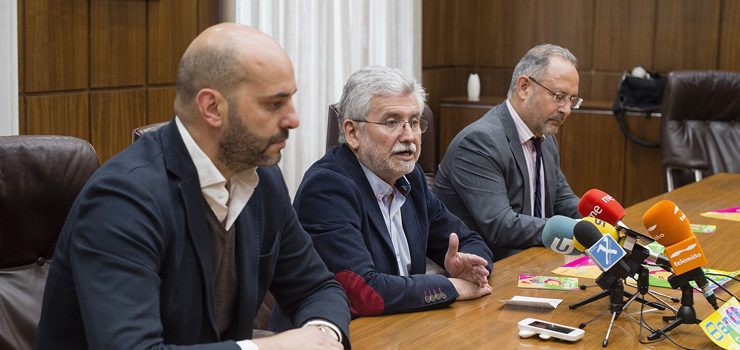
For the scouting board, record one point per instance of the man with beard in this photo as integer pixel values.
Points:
(501, 174)
(370, 214)
(177, 239)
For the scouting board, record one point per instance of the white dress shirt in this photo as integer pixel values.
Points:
(530, 154)
(392, 216)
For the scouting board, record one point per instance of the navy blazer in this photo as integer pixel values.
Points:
(132, 268)
(483, 179)
(337, 207)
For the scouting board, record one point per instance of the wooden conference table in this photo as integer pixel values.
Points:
(487, 323)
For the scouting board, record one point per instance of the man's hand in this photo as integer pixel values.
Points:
(467, 290)
(299, 338)
(465, 266)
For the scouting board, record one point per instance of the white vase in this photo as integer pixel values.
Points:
(473, 87)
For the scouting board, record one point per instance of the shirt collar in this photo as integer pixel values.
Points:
(382, 188)
(212, 182)
(521, 128)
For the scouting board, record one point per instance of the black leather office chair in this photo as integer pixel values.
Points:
(700, 127)
(40, 177)
(427, 159)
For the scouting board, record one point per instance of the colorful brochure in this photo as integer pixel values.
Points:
(548, 282)
(732, 213)
(723, 325)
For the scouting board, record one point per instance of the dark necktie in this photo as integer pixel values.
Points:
(537, 142)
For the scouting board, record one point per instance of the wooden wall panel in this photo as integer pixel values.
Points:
(603, 85)
(446, 21)
(60, 114)
(514, 27)
(159, 104)
(729, 48)
(623, 34)
(583, 134)
(172, 24)
(54, 45)
(118, 43)
(21, 115)
(686, 34)
(644, 176)
(209, 13)
(113, 115)
(441, 82)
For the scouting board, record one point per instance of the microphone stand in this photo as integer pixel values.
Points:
(686, 313)
(611, 281)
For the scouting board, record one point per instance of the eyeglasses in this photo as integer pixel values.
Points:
(559, 97)
(417, 125)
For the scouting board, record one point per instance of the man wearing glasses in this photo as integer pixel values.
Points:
(501, 174)
(371, 217)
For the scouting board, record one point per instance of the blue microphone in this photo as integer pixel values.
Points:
(558, 235)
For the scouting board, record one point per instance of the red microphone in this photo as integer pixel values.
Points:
(598, 204)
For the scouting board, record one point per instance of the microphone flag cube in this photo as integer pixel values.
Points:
(606, 252)
(685, 255)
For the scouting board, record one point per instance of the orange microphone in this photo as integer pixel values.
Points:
(668, 225)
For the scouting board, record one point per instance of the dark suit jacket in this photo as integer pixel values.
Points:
(337, 207)
(483, 179)
(132, 268)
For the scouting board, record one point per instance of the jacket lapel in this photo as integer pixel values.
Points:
(180, 165)
(516, 149)
(354, 170)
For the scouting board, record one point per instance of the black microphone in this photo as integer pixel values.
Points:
(616, 268)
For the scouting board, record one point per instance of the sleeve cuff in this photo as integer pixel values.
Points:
(318, 322)
(247, 345)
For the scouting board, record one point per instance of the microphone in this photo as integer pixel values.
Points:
(558, 235)
(628, 242)
(605, 253)
(602, 206)
(666, 223)
(598, 204)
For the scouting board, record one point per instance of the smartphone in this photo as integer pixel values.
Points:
(546, 330)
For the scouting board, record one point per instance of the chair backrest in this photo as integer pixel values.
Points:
(428, 157)
(140, 131)
(40, 177)
(700, 127)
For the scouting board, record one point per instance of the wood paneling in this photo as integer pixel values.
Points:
(21, 115)
(686, 34)
(118, 43)
(209, 12)
(54, 45)
(592, 153)
(172, 24)
(113, 115)
(513, 27)
(603, 85)
(644, 176)
(441, 82)
(623, 34)
(159, 104)
(452, 119)
(729, 48)
(61, 114)
(452, 22)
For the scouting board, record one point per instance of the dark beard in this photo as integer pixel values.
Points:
(241, 149)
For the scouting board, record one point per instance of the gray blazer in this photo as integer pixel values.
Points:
(483, 179)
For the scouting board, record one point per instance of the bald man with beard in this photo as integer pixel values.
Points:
(177, 239)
